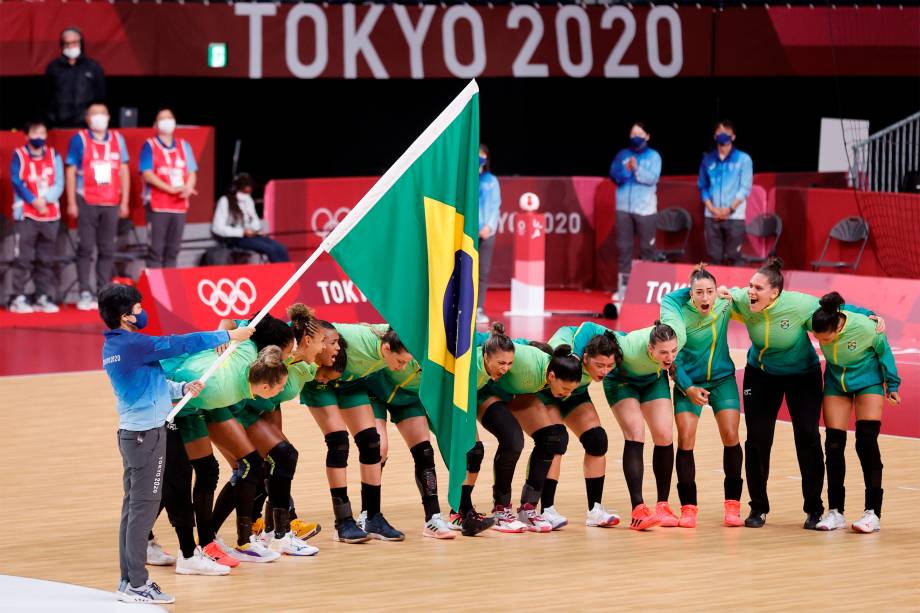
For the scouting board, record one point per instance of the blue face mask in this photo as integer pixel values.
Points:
(37, 143)
(723, 139)
(140, 320)
(482, 161)
(636, 142)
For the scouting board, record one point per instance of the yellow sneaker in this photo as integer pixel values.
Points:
(304, 529)
(258, 526)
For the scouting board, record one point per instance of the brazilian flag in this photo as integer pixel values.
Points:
(411, 245)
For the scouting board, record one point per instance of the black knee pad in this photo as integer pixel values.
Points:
(284, 460)
(834, 439)
(423, 454)
(474, 457)
(867, 432)
(499, 421)
(368, 443)
(337, 449)
(594, 441)
(563, 439)
(551, 440)
(249, 469)
(207, 473)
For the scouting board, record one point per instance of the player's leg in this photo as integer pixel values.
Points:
(585, 424)
(549, 440)
(868, 426)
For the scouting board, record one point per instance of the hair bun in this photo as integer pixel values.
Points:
(270, 356)
(775, 263)
(298, 310)
(562, 350)
(497, 329)
(831, 302)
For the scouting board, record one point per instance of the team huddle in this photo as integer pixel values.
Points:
(353, 377)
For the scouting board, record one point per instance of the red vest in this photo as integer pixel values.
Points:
(101, 166)
(38, 175)
(171, 166)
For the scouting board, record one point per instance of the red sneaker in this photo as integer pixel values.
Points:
(688, 516)
(733, 513)
(213, 551)
(643, 518)
(666, 515)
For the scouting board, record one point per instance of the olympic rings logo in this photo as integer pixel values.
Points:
(324, 220)
(225, 296)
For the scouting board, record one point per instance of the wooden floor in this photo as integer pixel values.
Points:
(60, 493)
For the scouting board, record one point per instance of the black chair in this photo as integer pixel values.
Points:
(674, 221)
(238, 255)
(128, 247)
(764, 226)
(850, 230)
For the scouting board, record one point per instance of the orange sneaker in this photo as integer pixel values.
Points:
(688, 516)
(213, 551)
(643, 518)
(666, 516)
(258, 526)
(733, 513)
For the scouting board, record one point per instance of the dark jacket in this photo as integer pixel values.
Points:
(71, 88)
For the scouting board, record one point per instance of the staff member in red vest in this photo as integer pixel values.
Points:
(168, 167)
(98, 186)
(37, 173)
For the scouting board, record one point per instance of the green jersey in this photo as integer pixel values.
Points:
(528, 372)
(363, 349)
(578, 337)
(702, 339)
(638, 367)
(860, 357)
(396, 387)
(779, 333)
(299, 373)
(227, 385)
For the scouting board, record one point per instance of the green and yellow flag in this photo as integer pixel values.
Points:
(411, 245)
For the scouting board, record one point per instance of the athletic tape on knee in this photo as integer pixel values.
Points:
(474, 457)
(594, 441)
(337, 449)
(368, 443)
(284, 460)
(207, 473)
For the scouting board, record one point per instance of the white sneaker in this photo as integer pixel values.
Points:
(555, 519)
(868, 523)
(598, 517)
(156, 556)
(832, 520)
(150, 593)
(294, 546)
(437, 528)
(227, 549)
(254, 551)
(199, 564)
(532, 520)
(506, 521)
(267, 537)
(362, 520)
(86, 302)
(45, 305)
(21, 305)
(481, 317)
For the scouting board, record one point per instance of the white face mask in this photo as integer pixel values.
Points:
(166, 126)
(72, 52)
(99, 122)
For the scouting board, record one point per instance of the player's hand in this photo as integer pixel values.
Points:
(894, 398)
(72, 210)
(221, 348)
(723, 292)
(697, 395)
(879, 323)
(485, 233)
(241, 334)
(123, 211)
(194, 388)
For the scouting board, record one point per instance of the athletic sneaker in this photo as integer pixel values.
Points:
(599, 517)
(832, 520)
(362, 520)
(533, 521)
(156, 556)
(20, 304)
(254, 551)
(258, 527)
(688, 514)
(755, 520)
(643, 518)
(811, 521)
(555, 519)
(868, 523)
(294, 546)
(506, 521)
(437, 528)
(347, 531)
(87, 302)
(666, 516)
(150, 593)
(732, 513)
(379, 528)
(45, 305)
(199, 564)
(474, 523)
(214, 551)
(455, 521)
(305, 530)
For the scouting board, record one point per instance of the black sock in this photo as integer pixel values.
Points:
(244, 492)
(186, 536)
(663, 467)
(834, 445)
(686, 477)
(223, 506)
(370, 499)
(150, 536)
(870, 458)
(548, 496)
(594, 488)
(732, 459)
(466, 500)
(339, 492)
(633, 470)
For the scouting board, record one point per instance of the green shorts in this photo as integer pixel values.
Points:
(643, 390)
(398, 412)
(248, 415)
(565, 405)
(832, 387)
(345, 395)
(216, 416)
(191, 427)
(723, 394)
(489, 390)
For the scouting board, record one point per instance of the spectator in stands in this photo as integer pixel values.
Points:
(169, 170)
(73, 81)
(490, 203)
(726, 178)
(636, 170)
(37, 173)
(98, 186)
(237, 223)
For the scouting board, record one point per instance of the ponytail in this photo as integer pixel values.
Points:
(661, 333)
(497, 341)
(303, 321)
(699, 273)
(272, 331)
(827, 317)
(565, 365)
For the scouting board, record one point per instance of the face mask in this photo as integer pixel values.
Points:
(637, 142)
(37, 143)
(72, 53)
(723, 139)
(166, 126)
(482, 161)
(98, 122)
(140, 320)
